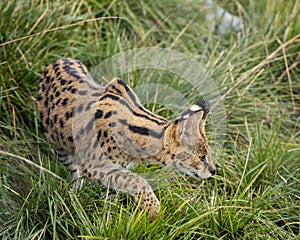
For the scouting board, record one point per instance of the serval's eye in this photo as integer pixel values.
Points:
(203, 158)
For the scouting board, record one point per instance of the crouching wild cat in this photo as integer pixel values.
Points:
(99, 131)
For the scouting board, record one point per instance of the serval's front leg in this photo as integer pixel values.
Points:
(72, 164)
(130, 183)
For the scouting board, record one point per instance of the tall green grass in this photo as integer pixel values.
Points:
(255, 193)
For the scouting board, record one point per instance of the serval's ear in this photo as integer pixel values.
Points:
(191, 123)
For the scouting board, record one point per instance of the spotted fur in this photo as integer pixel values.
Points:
(99, 131)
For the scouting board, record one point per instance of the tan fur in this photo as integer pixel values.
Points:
(99, 131)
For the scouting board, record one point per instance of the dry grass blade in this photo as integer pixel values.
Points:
(59, 28)
(32, 164)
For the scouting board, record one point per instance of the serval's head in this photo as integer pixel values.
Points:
(185, 143)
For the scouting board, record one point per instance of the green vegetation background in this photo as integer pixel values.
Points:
(255, 194)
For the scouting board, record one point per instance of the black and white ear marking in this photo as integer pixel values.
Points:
(191, 123)
(195, 108)
(199, 106)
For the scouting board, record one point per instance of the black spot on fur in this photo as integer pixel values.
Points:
(99, 135)
(68, 115)
(123, 121)
(96, 94)
(108, 115)
(58, 101)
(61, 123)
(49, 79)
(82, 92)
(72, 72)
(111, 96)
(73, 90)
(99, 114)
(80, 108)
(90, 125)
(39, 98)
(57, 74)
(105, 134)
(95, 144)
(65, 101)
(55, 118)
(112, 124)
(117, 90)
(121, 133)
(63, 82)
(88, 107)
